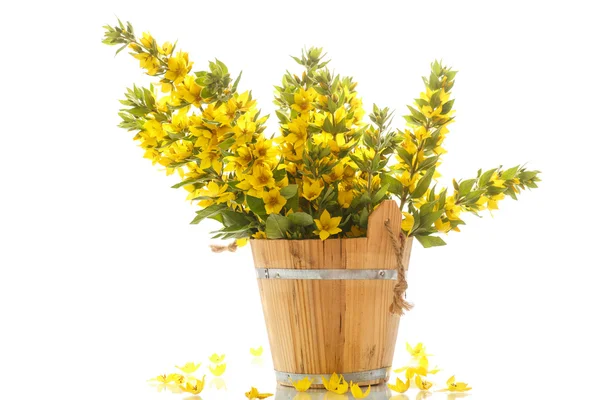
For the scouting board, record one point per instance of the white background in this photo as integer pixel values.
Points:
(104, 284)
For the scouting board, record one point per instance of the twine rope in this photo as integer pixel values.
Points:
(399, 304)
(217, 248)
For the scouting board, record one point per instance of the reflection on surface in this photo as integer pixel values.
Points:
(259, 361)
(171, 387)
(452, 396)
(378, 392)
(423, 394)
(217, 383)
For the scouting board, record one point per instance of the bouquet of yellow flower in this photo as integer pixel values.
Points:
(326, 171)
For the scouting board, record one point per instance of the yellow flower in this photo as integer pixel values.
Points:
(218, 370)
(336, 174)
(258, 351)
(327, 226)
(422, 369)
(166, 49)
(214, 191)
(195, 388)
(217, 359)
(178, 67)
(355, 231)
(189, 368)
(422, 383)
(146, 40)
(177, 378)
(148, 62)
(259, 235)
(407, 222)
(456, 386)
(332, 383)
(429, 112)
(311, 190)
(408, 181)
(303, 100)
(263, 149)
(261, 177)
(400, 386)
(357, 392)
(274, 201)
(241, 242)
(342, 386)
(211, 158)
(345, 198)
(492, 203)
(408, 144)
(421, 133)
(452, 210)
(418, 351)
(298, 131)
(302, 385)
(254, 394)
(442, 226)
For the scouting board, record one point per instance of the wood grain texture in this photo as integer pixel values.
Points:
(326, 326)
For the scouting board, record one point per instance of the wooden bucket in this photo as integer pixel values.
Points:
(326, 303)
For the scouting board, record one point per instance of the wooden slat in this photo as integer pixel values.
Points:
(326, 326)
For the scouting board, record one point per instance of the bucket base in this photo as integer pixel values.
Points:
(362, 378)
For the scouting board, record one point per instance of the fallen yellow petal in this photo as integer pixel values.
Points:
(400, 386)
(254, 394)
(256, 352)
(189, 368)
(217, 359)
(302, 385)
(218, 370)
(357, 391)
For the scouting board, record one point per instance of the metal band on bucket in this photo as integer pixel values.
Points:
(363, 376)
(327, 274)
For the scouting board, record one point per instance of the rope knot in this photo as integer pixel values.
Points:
(399, 304)
(231, 247)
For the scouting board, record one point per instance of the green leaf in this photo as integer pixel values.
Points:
(237, 81)
(289, 191)
(428, 219)
(224, 145)
(527, 175)
(510, 173)
(447, 107)
(430, 241)
(277, 226)
(364, 218)
(257, 205)
(417, 115)
(380, 194)
(232, 218)
(465, 187)
(405, 156)
(293, 203)
(183, 183)
(428, 163)
(393, 184)
(208, 212)
(300, 219)
(423, 184)
(485, 178)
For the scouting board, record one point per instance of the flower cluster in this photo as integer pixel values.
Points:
(417, 372)
(324, 173)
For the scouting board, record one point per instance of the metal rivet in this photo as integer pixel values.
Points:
(382, 273)
(277, 275)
